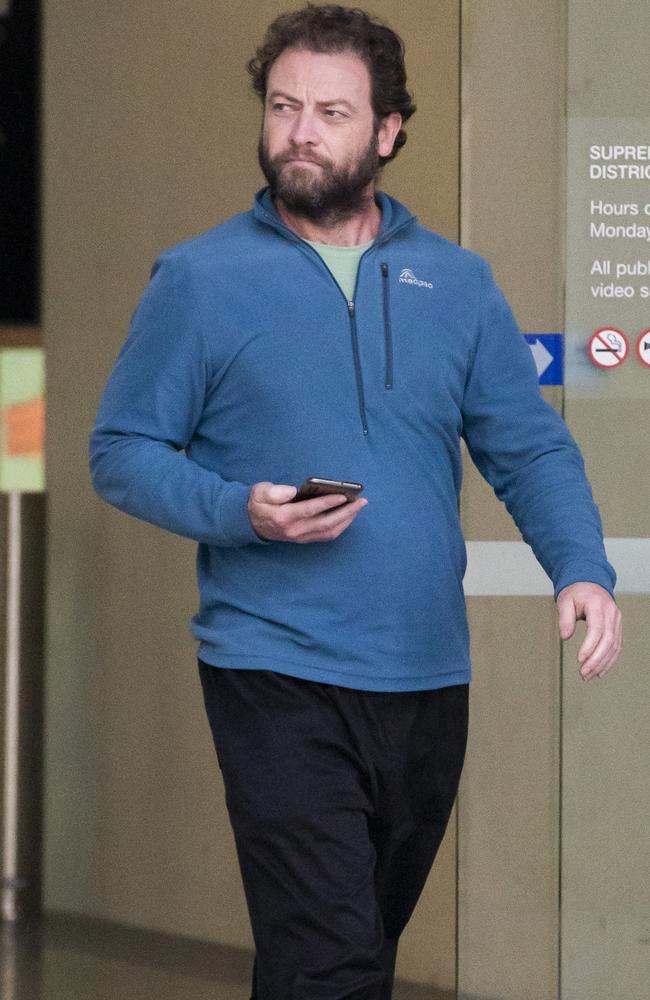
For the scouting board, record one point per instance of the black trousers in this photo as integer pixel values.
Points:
(338, 800)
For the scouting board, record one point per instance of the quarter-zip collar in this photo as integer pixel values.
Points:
(394, 216)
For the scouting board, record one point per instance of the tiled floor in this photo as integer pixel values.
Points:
(69, 958)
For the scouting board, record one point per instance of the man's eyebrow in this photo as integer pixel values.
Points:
(322, 104)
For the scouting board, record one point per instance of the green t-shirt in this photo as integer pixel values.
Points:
(343, 262)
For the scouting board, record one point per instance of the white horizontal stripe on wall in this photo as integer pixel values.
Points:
(509, 569)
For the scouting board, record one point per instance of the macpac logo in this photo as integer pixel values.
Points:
(408, 278)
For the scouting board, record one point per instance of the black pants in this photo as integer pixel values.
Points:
(338, 800)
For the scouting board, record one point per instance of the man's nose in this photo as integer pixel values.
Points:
(304, 129)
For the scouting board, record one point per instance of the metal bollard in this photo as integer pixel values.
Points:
(22, 594)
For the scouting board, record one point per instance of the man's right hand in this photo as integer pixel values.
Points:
(274, 517)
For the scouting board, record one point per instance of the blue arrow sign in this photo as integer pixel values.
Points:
(548, 353)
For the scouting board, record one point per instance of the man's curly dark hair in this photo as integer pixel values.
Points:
(333, 28)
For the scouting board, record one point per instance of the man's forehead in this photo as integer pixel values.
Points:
(340, 70)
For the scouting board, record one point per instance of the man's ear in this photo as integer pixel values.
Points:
(388, 129)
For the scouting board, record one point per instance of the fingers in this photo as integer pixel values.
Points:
(279, 493)
(326, 527)
(568, 615)
(272, 493)
(318, 519)
(600, 651)
(601, 646)
(607, 666)
(593, 639)
(310, 508)
(602, 643)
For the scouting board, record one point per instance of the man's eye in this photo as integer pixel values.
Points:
(279, 106)
(333, 113)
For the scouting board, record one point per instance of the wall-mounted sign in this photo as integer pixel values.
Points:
(643, 348)
(548, 354)
(608, 249)
(22, 419)
(608, 347)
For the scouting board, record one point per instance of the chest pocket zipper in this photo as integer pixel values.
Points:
(387, 332)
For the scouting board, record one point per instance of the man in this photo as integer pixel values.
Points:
(326, 333)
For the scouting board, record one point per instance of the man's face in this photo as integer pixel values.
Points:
(319, 149)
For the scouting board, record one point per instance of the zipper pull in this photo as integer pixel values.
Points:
(351, 308)
(384, 270)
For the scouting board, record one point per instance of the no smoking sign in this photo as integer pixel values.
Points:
(608, 347)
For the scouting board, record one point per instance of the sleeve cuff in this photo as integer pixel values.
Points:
(604, 576)
(235, 522)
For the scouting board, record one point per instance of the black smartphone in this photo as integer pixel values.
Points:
(315, 487)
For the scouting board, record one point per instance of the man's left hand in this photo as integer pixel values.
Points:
(602, 643)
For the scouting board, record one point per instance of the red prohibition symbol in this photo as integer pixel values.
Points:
(643, 347)
(608, 347)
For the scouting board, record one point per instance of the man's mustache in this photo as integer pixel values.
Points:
(290, 157)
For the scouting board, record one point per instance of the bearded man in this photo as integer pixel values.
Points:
(326, 333)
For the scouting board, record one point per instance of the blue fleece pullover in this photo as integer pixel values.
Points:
(245, 362)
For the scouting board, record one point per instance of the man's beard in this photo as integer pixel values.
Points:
(325, 193)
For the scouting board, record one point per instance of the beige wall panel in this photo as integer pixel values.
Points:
(619, 472)
(512, 151)
(512, 164)
(425, 175)
(150, 136)
(508, 806)
(605, 834)
(512, 170)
